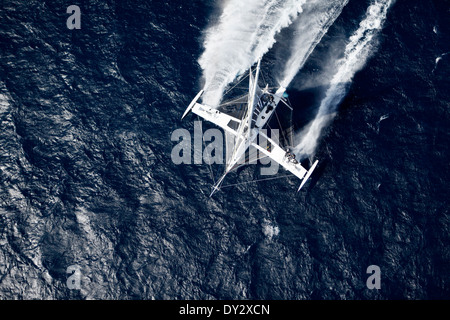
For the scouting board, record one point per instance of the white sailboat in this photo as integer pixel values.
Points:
(244, 130)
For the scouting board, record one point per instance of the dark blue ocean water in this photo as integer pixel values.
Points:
(86, 176)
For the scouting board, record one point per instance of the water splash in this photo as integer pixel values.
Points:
(437, 61)
(357, 51)
(245, 31)
(316, 19)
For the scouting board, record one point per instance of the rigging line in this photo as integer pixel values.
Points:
(262, 76)
(253, 157)
(210, 167)
(289, 102)
(245, 182)
(268, 120)
(282, 131)
(291, 128)
(291, 136)
(235, 85)
(232, 101)
(237, 166)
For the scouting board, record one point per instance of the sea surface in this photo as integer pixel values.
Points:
(87, 180)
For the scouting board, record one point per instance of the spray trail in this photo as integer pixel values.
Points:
(316, 19)
(357, 51)
(245, 32)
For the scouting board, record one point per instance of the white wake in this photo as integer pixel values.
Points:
(245, 31)
(310, 27)
(357, 51)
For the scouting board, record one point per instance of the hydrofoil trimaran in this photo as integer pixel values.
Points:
(261, 105)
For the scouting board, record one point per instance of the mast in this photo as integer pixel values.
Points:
(247, 119)
(251, 102)
(245, 123)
